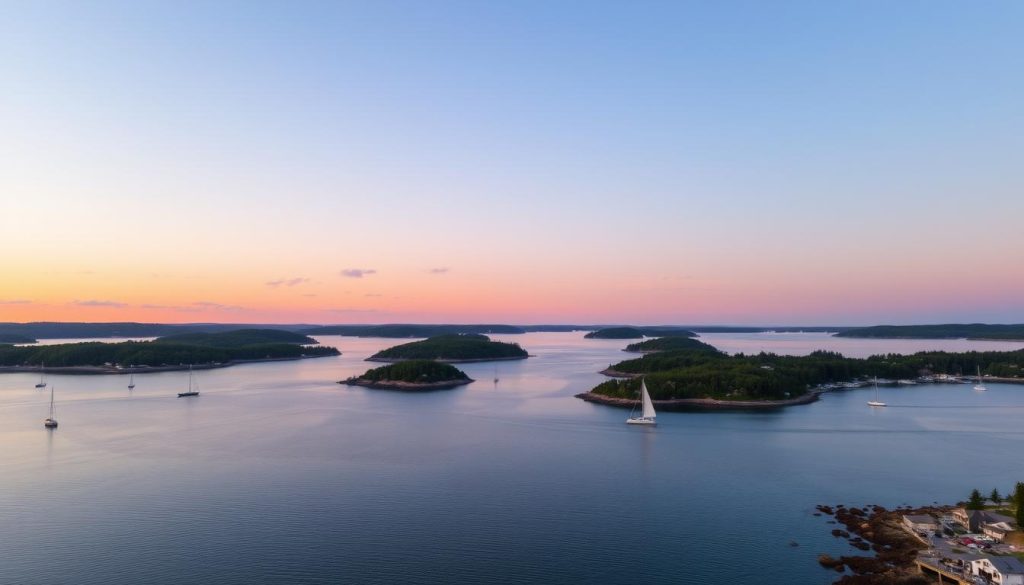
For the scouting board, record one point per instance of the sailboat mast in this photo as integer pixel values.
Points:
(51, 402)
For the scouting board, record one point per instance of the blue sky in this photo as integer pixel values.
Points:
(751, 155)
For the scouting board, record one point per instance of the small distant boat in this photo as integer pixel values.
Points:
(42, 376)
(192, 390)
(131, 381)
(51, 421)
(980, 386)
(647, 416)
(876, 401)
(495, 375)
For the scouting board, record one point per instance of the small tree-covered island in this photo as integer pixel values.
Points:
(702, 377)
(468, 347)
(174, 352)
(638, 332)
(411, 375)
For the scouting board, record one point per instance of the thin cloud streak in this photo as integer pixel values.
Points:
(443, 270)
(96, 303)
(16, 302)
(287, 282)
(357, 272)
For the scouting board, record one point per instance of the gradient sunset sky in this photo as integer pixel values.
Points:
(524, 162)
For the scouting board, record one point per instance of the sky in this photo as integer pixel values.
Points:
(726, 162)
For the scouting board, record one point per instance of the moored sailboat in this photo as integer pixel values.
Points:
(647, 414)
(42, 376)
(980, 387)
(51, 421)
(192, 390)
(131, 381)
(876, 401)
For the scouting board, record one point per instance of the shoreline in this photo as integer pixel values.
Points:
(682, 404)
(445, 361)
(406, 386)
(114, 370)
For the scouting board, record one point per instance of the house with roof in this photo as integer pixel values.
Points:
(974, 520)
(999, 570)
(996, 530)
(920, 523)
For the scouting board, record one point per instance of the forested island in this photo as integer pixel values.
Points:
(704, 376)
(166, 353)
(411, 375)
(978, 331)
(638, 332)
(468, 347)
(400, 330)
(666, 344)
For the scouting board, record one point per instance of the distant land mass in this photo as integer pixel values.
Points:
(638, 332)
(979, 331)
(15, 338)
(411, 375)
(409, 330)
(167, 353)
(469, 347)
(239, 338)
(72, 330)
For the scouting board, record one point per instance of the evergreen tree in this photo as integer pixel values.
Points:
(995, 497)
(1018, 497)
(976, 502)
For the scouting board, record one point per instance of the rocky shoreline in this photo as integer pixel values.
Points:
(406, 386)
(701, 403)
(880, 530)
(114, 370)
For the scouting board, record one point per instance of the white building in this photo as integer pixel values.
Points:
(999, 570)
(922, 523)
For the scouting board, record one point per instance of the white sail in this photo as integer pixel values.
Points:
(648, 405)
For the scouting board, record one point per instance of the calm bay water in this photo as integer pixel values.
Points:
(276, 474)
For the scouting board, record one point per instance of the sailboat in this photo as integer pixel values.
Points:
(42, 376)
(50, 422)
(495, 374)
(647, 417)
(876, 401)
(131, 381)
(191, 391)
(981, 386)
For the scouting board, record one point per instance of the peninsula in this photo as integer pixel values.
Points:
(175, 352)
(452, 349)
(412, 375)
(704, 377)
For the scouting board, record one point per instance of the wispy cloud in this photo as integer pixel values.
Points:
(209, 305)
(357, 272)
(443, 270)
(287, 282)
(95, 303)
(16, 302)
(373, 295)
(344, 310)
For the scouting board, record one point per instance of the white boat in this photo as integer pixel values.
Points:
(876, 401)
(647, 416)
(981, 386)
(131, 381)
(51, 421)
(42, 376)
(192, 390)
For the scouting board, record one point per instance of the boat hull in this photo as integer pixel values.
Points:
(873, 403)
(50, 423)
(184, 394)
(641, 421)
(40, 385)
